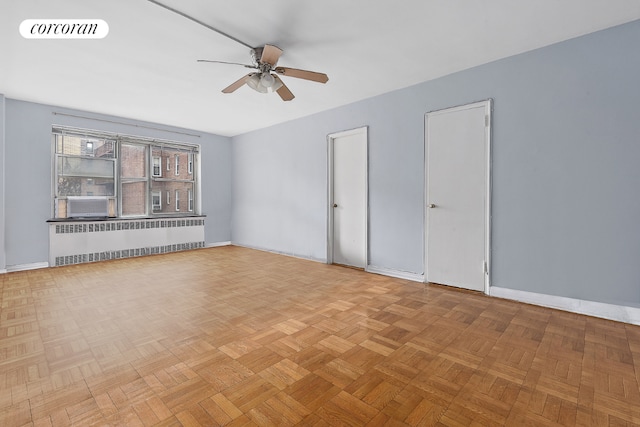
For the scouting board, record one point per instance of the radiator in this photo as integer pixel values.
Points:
(76, 242)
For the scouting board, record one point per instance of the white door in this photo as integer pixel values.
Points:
(457, 196)
(348, 198)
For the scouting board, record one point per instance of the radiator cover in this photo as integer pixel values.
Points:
(75, 242)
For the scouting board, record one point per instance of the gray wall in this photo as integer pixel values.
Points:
(28, 173)
(566, 156)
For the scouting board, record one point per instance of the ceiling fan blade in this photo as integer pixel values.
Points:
(302, 74)
(229, 63)
(270, 54)
(237, 84)
(284, 91)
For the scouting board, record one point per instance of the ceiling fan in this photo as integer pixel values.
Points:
(264, 59)
(266, 79)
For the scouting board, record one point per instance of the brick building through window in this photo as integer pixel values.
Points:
(139, 177)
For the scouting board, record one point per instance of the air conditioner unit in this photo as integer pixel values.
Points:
(87, 207)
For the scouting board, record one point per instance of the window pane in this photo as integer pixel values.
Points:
(134, 198)
(179, 189)
(133, 163)
(174, 160)
(78, 186)
(77, 166)
(85, 146)
(85, 177)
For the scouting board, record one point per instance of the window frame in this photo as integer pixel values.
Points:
(152, 181)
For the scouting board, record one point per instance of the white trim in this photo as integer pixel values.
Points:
(619, 313)
(217, 244)
(3, 271)
(488, 106)
(272, 251)
(24, 267)
(399, 274)
(330, 140)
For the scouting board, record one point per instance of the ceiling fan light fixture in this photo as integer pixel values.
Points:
(264, 83)
(267, 80)
(254, 83)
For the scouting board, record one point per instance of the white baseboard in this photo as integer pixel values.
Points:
(24, 267)
(414, 277)
(216, 244)
(257, 248)
(619, 313)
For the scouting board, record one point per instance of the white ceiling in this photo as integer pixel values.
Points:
(146, 67)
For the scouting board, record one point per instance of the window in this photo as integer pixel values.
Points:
(80, 172)
(156, 200)
(168, 161)
(157, 166)
(190, 164)
(127, 171)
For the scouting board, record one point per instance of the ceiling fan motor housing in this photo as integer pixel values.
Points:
(256, 54)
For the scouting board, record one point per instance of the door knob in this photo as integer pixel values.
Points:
(431, 206)
(335, 205)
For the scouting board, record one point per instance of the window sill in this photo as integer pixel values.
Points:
(130, 218)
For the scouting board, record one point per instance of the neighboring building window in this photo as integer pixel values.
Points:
(127, 171)
(190, 196)
(157, 166)
(168, 160)
(156, 200)
(190, 164)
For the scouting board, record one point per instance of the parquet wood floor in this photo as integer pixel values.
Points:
(238, 337)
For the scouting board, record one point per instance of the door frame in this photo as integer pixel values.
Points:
(330, 181)
(488, 109)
